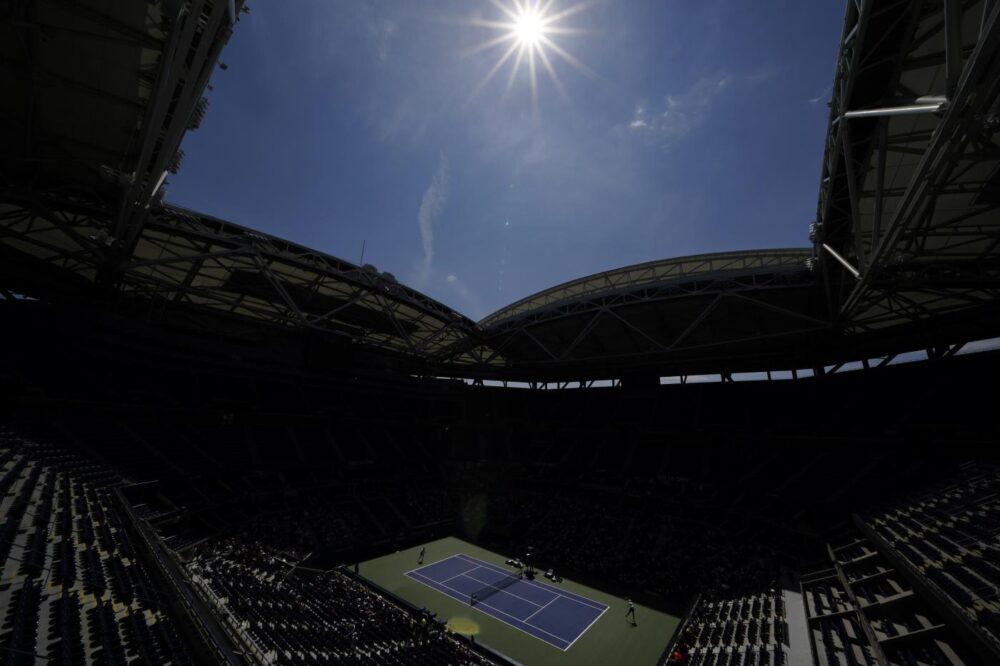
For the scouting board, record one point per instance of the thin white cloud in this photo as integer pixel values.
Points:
(473, 306)
(821, 96)
(680, 114)
(764, 74)
(503, 253)
(384, 32)
(433, 202)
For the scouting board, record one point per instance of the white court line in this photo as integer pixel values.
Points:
(479, 564)
(584, 601)
(588, 627)
(464, 573)
(443, 559)
(478, 580)
(578, 599)
(503, 591)
(539, 611)
(483, 603)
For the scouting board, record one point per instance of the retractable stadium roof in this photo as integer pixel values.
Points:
(97, 95)
(907, 225)
(185, 260)
(709, 310)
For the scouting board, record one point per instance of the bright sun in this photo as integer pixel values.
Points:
(529, 26)
(527, 33)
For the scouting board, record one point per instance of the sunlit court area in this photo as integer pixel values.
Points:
(499, 333)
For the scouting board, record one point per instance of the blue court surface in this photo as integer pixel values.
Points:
(547, 613)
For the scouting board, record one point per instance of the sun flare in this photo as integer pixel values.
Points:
(529, 27)
(526, 34)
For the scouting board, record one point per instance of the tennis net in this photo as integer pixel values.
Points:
(493, 588)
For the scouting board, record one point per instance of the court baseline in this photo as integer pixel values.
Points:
(551, 615)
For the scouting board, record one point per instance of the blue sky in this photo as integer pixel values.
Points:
(693, 126)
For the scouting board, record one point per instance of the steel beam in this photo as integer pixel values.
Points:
(909, 110)
(177, 89)
(853, 185)
(953, 45)
(843, 262)
(882, 149)
(947, 142)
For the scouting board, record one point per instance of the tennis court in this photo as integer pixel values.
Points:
(534, 623)
(549, 614)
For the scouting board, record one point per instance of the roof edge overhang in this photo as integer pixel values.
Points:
(658, 271)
